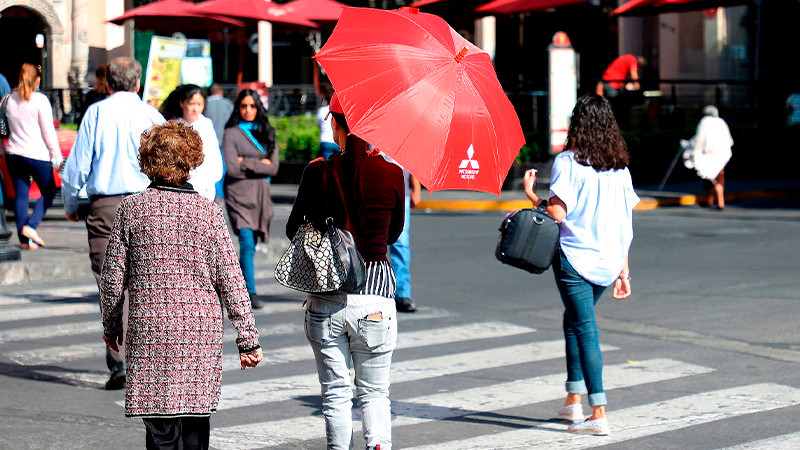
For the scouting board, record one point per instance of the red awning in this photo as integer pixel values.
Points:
(515, 6)
(649, 7)
(424, 2)
(174, 15)
(314, 10)
(253, 10)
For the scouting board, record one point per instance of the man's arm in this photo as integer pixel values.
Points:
(79, 164)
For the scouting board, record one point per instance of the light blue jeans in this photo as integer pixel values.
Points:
(400, 256)
(584, 359)
(247, 252)
(339, 331)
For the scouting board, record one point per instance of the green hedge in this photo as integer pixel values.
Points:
(298, 137)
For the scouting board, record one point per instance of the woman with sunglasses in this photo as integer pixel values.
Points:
(250, 151)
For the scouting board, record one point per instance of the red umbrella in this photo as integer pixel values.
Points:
(646, 7)
(515, 6)
(416, 89)
(174, 15)
(254, 10)
(315, 10)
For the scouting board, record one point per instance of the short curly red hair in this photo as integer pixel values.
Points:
(168, 152)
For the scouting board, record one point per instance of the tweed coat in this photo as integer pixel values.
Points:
(246, 189)
(171, 250)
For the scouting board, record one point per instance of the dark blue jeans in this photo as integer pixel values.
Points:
(247, 252)
(22, 169)
(584, 360)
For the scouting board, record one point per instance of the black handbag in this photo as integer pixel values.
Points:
(322, 261)
(528, 240)
(3, 118)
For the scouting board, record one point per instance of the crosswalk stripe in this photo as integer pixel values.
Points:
(437, 336)
(45, 311)
(48, 295)
(279, 389)
(644, 420)
(449, 405)
(784, 442)
(93, 327)
(62, 353)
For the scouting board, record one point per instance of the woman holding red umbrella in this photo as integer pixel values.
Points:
(359, 327)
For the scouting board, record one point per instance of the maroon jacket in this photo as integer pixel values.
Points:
(375, 197)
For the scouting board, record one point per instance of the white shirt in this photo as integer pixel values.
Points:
(105, 156)
(325, 129)
(597, 232)
(31, 130)
(205, 177)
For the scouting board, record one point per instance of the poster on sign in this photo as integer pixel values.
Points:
(163, 73)
(563, 89)
(196, 65)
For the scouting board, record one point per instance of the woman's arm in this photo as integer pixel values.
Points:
(622, 286)
(259, 168)
(556, 208)
(231, 155)
(49, 131)
(114, 281)
(309, 184)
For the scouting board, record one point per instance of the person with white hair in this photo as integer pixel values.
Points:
(708, 152)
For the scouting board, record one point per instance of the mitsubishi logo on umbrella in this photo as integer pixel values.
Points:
(471, 172)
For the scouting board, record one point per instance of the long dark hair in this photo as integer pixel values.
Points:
(264, 132)
(171, 108)
(594, 136)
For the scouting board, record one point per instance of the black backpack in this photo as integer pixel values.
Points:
(528, 240)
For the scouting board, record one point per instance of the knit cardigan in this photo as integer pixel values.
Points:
(170, 249)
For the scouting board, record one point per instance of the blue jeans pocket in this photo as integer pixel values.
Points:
(318, 327)
(374, 332)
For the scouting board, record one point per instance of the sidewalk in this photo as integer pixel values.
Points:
(66, 255)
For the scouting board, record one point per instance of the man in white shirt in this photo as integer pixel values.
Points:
(105, 160)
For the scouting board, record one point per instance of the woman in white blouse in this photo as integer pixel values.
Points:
(186, 103)
(592, 198)
(32, 153)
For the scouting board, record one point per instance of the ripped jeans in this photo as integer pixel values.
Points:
(361, 329)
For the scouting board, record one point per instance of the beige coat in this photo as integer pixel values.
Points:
(246, 188)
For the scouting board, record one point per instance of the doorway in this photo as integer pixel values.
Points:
(18, 29)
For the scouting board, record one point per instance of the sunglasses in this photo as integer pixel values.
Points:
(247, 106)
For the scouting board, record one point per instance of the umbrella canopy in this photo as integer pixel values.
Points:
(515, 6)
(648, 7)
(314, 10)
(174, 15)
(254, 10)
(417, 90)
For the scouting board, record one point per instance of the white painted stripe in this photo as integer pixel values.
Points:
(424, 312)
(644, 420)
(785, 442)
(280, 329)
(94, 380)
(453, 404)
(52, 355)
(48, 295)
(438, 336)
(93, 327)
(280, 389)
(45, 311)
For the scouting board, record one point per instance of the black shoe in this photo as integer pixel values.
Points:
(256, 302)
(117, 379)
(405, 304)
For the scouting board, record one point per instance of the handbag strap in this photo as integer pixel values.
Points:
(327, 167)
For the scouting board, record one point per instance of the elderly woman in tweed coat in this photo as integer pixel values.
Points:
(170, 249)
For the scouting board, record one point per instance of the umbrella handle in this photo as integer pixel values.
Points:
(461, 54)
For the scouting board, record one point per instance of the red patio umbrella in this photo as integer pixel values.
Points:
(254, 10)
(417, 90)
(515, 6)
(175, 15)
(314, 10)
(648, 7)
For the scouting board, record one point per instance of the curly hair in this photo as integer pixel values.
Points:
(594, 136)
(169, 151)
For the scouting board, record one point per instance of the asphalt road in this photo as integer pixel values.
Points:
(704, 355)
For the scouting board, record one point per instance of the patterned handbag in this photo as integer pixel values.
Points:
(322, 261)
(3, 117)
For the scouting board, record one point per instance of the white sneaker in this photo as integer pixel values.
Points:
(571, 412)
(597, 427)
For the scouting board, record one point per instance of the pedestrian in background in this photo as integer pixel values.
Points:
(592, 198)
(400, 251)
(186, 104)
(219, 109)
(344, 327)
(327, 146)
(105, 160)
(99, 90)
(170, 249)
(5, 88)
(708, 152)
(250, 150)
(32, 153)
(621, 75)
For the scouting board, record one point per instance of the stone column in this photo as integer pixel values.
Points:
(80, 43)
(485, 34)
(265, 52)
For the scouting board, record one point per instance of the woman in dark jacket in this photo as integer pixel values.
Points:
(250, 151)
(345, 326)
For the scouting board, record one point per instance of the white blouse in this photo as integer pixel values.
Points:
(205, 177)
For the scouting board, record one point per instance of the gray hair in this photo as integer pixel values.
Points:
(711, 110)
(123, 74)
